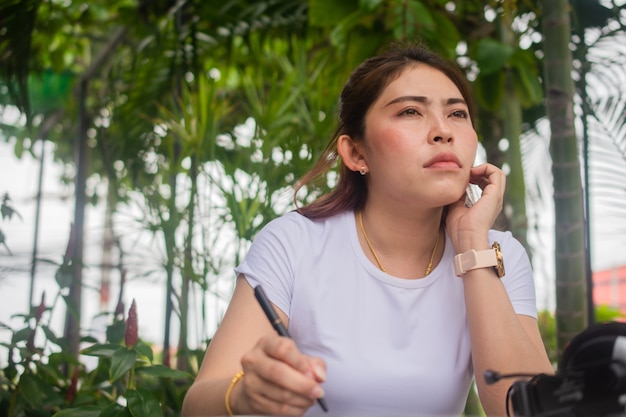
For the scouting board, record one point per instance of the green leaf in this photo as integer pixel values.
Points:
(51, 336)
(489, 89)
(144, 350)
(327, 13)
(143, 403)
(527, 86)
(606, 313)
(85, 411)
(61, 359)
(115, 410)
(340, 33)
(161, 371)
(491, 55)
(37, 392)
(122, 361)
(422, 14)
(21, 335)
(49, 91)
(115, 332)
(88, 339)
(446, 35)
(64, 276)
(18, 149)
(526, 80)
(370, 5)
(50, 374)
(101, 350)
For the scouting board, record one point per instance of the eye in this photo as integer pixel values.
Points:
(461, 114)
(410, 112)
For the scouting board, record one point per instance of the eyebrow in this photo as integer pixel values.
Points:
(425, 100)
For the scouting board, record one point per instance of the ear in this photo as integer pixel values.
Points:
(350, 153)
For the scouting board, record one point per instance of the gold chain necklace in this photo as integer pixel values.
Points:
(369, 245)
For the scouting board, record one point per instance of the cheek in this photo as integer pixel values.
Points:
(385, 139)
(469, 146)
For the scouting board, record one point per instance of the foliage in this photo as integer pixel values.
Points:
(42, 379)
(7, 211)
(202, 113)
(604, 313)
(548, 327)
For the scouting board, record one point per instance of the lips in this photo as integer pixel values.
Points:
(443, 160)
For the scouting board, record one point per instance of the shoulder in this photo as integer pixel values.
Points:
(293, 226)
(516, 260)
(515, 256)
(507, 241)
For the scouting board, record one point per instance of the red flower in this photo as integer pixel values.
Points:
(130, 337)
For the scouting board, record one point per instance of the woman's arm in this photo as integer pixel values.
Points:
(501, 340)
(278, 379)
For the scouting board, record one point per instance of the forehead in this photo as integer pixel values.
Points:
(421, 80)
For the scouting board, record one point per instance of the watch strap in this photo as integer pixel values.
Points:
(474, 259)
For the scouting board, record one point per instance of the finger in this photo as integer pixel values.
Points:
(285, 350)
(280, 395)
(319, 368)
(488, 174)
(272, 397)
(279, 361)
(267, 406)
(265, 393)
(265, 397)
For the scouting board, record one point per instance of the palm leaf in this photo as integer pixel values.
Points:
(607, 147)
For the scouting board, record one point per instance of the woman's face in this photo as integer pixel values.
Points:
(419, 140)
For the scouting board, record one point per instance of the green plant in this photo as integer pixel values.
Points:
(547, 328)
(604, 313)
(7, 212)
(33, 383)
(40, 379)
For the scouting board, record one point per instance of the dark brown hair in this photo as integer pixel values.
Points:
(362, 89)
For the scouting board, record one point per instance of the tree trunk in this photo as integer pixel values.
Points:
(108, 244)
(581, 86)
(570, 261)
(182, 361)
(169, 233)
(515, 197)
(74, 299)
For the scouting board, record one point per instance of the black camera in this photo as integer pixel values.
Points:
(590, 380)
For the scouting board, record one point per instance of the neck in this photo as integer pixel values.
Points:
(404, 246)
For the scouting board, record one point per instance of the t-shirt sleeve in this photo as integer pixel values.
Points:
(269, 261)
(518, 279)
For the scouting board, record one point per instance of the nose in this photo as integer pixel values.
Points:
(437, 139)
(440, 131)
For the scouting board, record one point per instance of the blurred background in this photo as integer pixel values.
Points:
(144, 143)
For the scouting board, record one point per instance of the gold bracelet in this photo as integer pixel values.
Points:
(235, 379)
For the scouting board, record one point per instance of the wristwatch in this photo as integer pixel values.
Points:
(473, 259)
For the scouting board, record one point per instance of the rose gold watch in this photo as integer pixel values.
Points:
(473, 259)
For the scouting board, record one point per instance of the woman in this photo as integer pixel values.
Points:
(365, 276)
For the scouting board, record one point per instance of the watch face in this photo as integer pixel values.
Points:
(500, 265)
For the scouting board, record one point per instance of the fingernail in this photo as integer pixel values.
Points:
(317, 392)
(320, 372)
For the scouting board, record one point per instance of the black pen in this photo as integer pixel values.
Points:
(278, 325)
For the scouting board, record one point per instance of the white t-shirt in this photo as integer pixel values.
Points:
(392, 346)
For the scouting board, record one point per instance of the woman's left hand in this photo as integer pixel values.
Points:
(468, 226)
